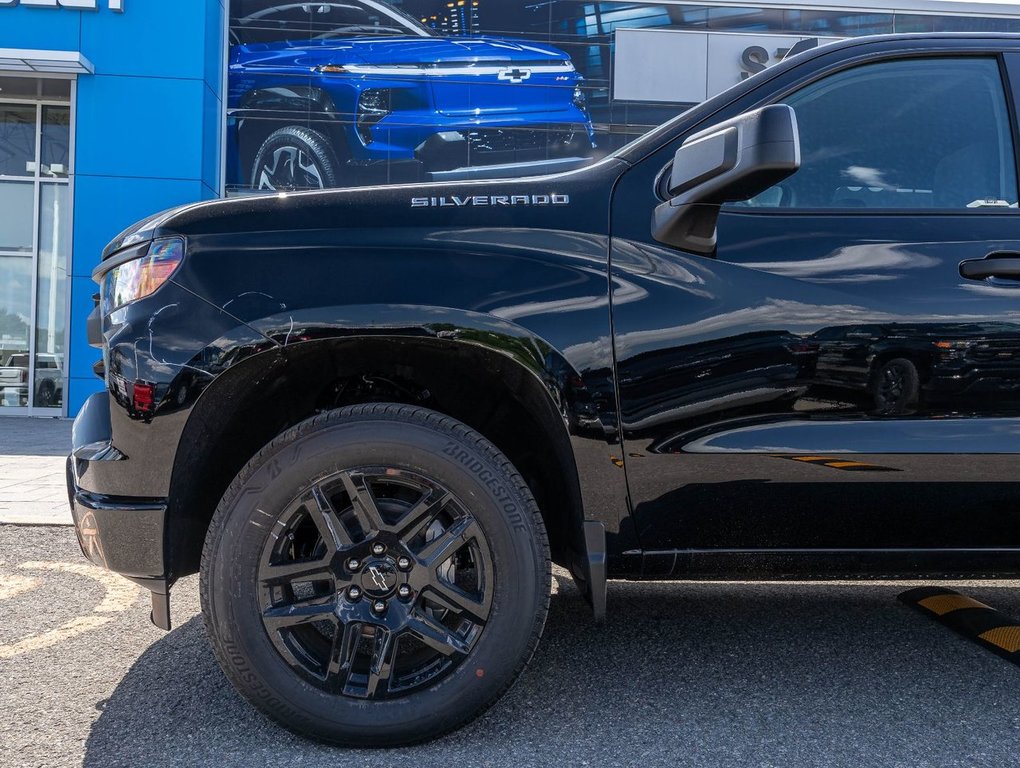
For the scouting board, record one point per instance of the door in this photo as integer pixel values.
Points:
(829, 391)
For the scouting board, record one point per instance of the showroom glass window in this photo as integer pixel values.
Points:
(35, 172)
(907, 134)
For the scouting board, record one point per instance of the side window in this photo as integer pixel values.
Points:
(919, 133)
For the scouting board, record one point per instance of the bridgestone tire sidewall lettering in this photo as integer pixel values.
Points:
(518, 557)
(486, 476)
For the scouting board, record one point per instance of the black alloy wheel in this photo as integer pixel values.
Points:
(895, 386)
(377, 575)
(376, 582)
(295, 158)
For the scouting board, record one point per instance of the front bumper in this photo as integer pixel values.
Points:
(446, 147)
(120, 533)
(482, 148)
(974, 381)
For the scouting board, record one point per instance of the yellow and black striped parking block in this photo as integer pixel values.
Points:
(969, 617)
(847, 465)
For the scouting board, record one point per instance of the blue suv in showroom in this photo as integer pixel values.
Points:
(331, 94)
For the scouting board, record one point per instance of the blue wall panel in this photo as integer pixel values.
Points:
(139, 126)
(40, 28)
(147, 127)
(150, 39)
(82, 291)
(105, 205)
(212, 151)
(215, 37)
(79, 390)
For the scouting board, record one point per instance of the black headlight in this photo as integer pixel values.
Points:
(373, 105)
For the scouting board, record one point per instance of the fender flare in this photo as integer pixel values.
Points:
(557, 388)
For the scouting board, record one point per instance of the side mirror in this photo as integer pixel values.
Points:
(734, 160)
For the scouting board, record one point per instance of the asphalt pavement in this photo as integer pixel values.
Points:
(709, 674)
(694, 674)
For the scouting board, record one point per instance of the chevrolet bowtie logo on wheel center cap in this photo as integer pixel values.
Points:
(379, 579)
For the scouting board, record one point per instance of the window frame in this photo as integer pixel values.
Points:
(1006, 59)
(1009, 94)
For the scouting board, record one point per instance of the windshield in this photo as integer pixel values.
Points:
(259, 21)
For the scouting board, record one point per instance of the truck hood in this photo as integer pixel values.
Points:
(507, 202)
(424, 52)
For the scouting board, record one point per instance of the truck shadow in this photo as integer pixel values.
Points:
(713, 674)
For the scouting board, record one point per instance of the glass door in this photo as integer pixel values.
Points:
(35, 231)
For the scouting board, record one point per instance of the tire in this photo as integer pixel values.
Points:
(895, 386)
(46, 395)
(295, 158)
(317, 657)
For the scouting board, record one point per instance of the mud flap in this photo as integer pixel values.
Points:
(595, 547)
(160, 615)
(160, 589)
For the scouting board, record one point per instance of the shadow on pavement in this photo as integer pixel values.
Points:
(699, 674)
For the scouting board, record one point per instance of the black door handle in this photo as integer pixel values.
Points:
(998, 264)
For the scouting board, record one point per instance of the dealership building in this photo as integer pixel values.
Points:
(111, 110)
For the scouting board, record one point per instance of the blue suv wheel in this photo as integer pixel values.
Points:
(295, 158)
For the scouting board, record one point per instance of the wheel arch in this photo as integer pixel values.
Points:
(263, 111)
(920, 361)
(519, 395)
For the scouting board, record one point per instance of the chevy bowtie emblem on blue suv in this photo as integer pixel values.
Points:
(515, 75)
(369, 94)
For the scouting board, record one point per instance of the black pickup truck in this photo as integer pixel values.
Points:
(370, 418)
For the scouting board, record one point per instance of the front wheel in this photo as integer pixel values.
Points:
(377, 575)
(895, 386)
(295, 158)
(46, 395)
